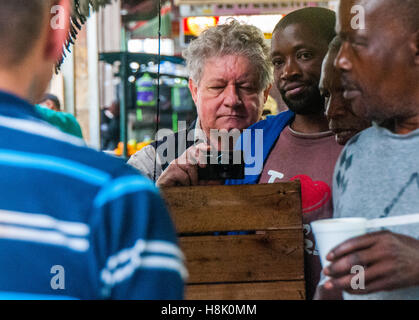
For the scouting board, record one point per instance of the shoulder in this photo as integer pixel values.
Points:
(272, 121)
(87, 178)
(113, 166)
(69, 117)
(146, 153)
(70, 156)
(355, 156)
(144, 160)
(65, 121)
(49, 115)
(116, 181)
(365, 139)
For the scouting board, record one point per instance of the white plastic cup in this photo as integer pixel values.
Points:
(330, 233)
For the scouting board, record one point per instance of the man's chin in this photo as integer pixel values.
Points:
(306, 110)
(309, 103)
(300, 106)
(232, 124)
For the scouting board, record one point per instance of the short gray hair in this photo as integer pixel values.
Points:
(232, 38)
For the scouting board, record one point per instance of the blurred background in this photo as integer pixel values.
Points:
(109, 80)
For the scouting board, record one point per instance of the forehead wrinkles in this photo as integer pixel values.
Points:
(226, 68)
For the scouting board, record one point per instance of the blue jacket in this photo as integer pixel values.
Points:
(271, 130)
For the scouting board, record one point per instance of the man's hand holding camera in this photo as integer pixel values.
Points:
(183, 171)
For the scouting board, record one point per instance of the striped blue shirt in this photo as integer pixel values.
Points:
(76, 223)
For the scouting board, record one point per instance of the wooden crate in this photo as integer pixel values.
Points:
(266, 264)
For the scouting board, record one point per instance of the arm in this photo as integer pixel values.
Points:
(145, 162)
(135, 242)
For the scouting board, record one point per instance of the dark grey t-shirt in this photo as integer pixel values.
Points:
(377, 175)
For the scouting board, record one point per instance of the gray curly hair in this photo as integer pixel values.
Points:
(232, 38)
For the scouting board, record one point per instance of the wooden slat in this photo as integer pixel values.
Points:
(227, 208)
(276, 255)
(268, 265)
(278, 290)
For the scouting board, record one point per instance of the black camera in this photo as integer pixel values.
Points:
(223, 165)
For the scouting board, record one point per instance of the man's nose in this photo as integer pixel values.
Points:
(342, 60)
(291, 70)
(232, 96)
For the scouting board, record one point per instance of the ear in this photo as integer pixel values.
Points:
(266, 93)
(193, 88)
(58, 29)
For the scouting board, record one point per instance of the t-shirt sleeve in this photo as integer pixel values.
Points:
(135, 243)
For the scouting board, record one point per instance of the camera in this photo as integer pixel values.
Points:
(223, 165)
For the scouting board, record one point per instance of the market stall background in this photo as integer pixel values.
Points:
(116, 58)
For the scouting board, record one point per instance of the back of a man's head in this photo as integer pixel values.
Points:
(20, 25)
(31, 43)
(320, 20)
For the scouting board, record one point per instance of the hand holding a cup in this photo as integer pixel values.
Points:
(390, 262)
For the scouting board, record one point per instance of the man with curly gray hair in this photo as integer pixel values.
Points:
(230, 74)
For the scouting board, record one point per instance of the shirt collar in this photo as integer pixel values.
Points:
(14, 106)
